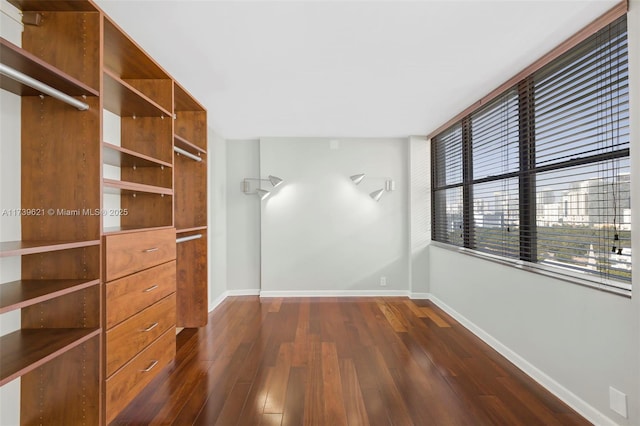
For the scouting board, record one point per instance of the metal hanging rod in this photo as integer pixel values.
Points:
(187, 154)
(188, 238)
(41, 87)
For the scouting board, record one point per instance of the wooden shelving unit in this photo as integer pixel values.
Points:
(190, 212)
(64, 295)
(58, 293)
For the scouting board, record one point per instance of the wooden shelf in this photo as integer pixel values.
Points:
(25, 350)
(21, 248)
(27, 63)
(194, 229)
(54, 5)
(122, 157)
(181, 142)
(126, 58)
(19, 294)
(184, 101)
(112, 186)
(127, 230)
(126, 101)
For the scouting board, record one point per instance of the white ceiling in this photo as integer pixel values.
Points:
(345, 68)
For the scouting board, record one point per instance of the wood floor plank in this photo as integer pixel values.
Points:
(417, 311)
(355, 409)
(333, 361)
(397, 322)
(314, 389)
(335, 412)
(276, 387)
(294, 400)
(233, 405)
(433, 316)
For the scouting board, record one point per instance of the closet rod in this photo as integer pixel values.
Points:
(41, 87)
(187, 154)
(188, 238)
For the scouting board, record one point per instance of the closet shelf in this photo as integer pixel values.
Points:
(122, 157)
(126, 101)
(181, 142)
(20, 294)
(126, 229)
(21, 248)
(194, 229)
(25, 350)
(29, 64)
(112, 186)
(54, 5)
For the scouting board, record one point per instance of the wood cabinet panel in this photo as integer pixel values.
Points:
(129, 295)
(130, 253)
(123, 386)
(191, 283)
(128, 338)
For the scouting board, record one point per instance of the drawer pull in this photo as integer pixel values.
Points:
(149, 250)
(151, 327)
(153, 287)
(150, 367)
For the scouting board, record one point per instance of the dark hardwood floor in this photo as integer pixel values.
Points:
(340, 361)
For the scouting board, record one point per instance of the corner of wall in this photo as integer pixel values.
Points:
(217, 207)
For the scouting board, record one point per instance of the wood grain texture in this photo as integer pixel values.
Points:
(129, 253)
(52, 131)
(126, 296)
(332, 361)
(123, 386)
(68, 40)
(191, 282)
(190, 192)
(125, 340)
(73, 396)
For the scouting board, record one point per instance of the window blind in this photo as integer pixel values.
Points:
(542, 173)
(448, 177)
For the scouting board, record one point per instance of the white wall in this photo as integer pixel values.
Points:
(633, 20)
(217, 208)
(322, 234)
(10, 225)
(243, 217)
(419, 209)
(576, 339)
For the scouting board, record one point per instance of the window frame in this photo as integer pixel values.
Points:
(527, 190)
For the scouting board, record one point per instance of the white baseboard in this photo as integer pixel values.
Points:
(420, 295)
(246, 292)
(335, 293)
(564, 394)
(218, 300)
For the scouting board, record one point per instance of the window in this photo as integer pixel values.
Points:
(541, 174)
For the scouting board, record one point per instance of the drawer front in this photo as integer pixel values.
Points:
(129, 253)
(129, 295)
(123, 386)
(133, 335)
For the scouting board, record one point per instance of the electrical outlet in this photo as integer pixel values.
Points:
(383, 281)
(618, 402)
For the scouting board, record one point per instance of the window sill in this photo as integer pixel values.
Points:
(574, 277)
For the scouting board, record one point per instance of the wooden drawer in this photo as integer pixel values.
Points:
(129, 253)
(123, 386)
(129, 295)
(130, 337)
